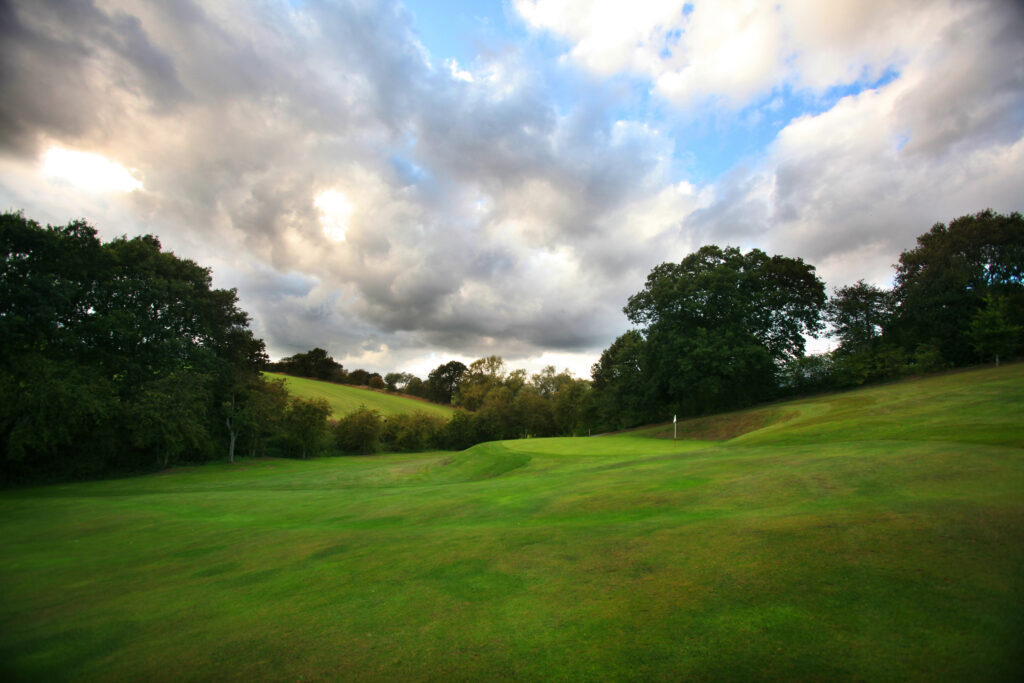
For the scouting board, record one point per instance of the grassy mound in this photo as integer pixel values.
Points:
(918, 408)
(345, 399)
(719, 427)
(877, 534)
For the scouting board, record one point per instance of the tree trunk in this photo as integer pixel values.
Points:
(231, 443)
(231, 432)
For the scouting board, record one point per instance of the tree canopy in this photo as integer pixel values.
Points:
(620, 382)
(111, 355)
(443, 381)
(724, 329)
(859, 314)
(942, 283)
(121, 356)
(717, 325)
(315, 364)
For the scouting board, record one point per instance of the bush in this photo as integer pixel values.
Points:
(359, 432)
(928, 358)
(305, 426)
(416, 431)
(461, 432)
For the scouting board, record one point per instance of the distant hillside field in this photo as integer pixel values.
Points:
(345, 399)
(871, 535)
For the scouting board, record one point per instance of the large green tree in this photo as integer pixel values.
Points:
(621, 391)
(719, 324)
(991, 332)
(112, 356)
(315, 363)
(859, 314)
(305, 428)
(443, 381)
(942, 283)
(397, 381)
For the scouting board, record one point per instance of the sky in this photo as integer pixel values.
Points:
(404, 184)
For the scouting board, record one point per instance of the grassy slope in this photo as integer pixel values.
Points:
(877, 534)
(345, 399)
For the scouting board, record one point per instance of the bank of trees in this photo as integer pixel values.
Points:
(493, 403)
(957, 299)
(712, 332)
(439, 387)
(318, 364)
(122, 357)
(723, 329)
(314, 364)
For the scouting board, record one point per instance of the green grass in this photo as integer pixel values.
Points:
(345, 399)
(870, 535)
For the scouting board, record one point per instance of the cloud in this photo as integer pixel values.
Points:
(476, 211)
(731, 53)
(512, 204)
(850, 188)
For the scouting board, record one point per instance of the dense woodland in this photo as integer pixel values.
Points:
(121, 357)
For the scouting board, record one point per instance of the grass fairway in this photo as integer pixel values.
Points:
(345, 399)
(871, 535)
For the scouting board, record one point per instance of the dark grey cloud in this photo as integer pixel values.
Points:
(57, 59)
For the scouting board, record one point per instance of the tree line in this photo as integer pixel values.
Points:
(493, 403)
(439, 387)
(122, 357)
(724, 329)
